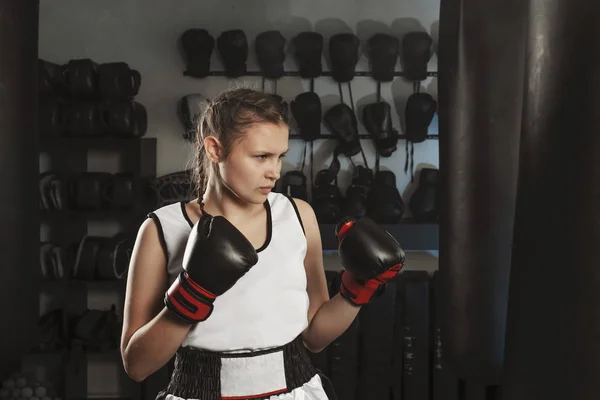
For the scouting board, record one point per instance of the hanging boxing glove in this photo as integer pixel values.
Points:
(416, 53)
(341, 122)
(197, 46)
(384, 203)
(383, 54)
(190, 109)
(125, 118)
(81, 77)
(233, 49)
(270, 52)
(308, 49)
(116, 81)
(293, 184)
(355, 202)
(306, 109)
(343, 52)
(423, 203)
(420, 108)
(378, 122)
(326, 195)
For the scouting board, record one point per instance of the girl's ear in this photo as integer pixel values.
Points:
(214, 149)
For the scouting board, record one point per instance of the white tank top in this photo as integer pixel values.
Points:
(268, 306)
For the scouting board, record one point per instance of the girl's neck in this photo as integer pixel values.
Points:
(220, 200)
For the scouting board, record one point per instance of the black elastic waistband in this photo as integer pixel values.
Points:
(196, 373)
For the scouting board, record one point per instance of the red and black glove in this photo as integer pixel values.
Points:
(216, 256)
(371, 257)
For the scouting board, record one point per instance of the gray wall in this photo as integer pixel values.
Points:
(145, 33)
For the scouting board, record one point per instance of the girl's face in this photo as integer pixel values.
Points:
(254, 163)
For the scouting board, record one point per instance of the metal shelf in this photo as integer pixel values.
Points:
(324, 73)
(360, 136)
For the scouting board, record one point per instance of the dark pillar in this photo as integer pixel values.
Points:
(19, 171)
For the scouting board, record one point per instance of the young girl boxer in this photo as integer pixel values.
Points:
(232, 283)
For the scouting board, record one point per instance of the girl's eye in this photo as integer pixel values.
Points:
(261, 157)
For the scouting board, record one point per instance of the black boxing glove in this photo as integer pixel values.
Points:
(371, 257)
(81, 77)
(190, 109)
(83, 119)
(308, 49)
(270, 51)
(50, 78)
(355, 202)
(326, 195)
(233, 48)
(419, 111)
(341, 122)
(383, 54)
(424, 202)
(306, 109)
(343, 51)
(197, 46)
(127, 119)
(416, 53)
(378, 122)
(216, 256)
(293, 184)
(384, 202)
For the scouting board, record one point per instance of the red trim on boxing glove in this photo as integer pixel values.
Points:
(361, 293)
(188, 300)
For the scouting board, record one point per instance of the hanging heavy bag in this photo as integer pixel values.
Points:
(341, 122)
(423, 204)
(190, 109)
(383, 51)
(384, 203)
(293, 184)
(81, 78)
(270, 52)
(116, 81)
(378, 122)
(355, 202)
(127, 119)
(233, 49)
(416, 52)
(482, 82)
(326, 195)
(306, 109)
(308, 49)
(197, 46)
(343, 52)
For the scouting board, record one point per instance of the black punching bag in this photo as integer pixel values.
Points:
(553, 329)
(481, 62)
(19, 171)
